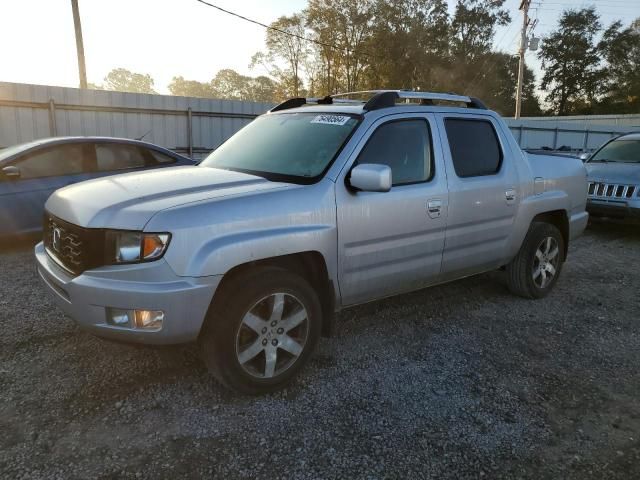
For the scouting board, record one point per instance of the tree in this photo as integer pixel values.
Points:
(496, 85)
(190, 88)
(229, 84)
(620, 48)
(262, 89)
(410, 41)
(122, 80)
(320, 18)
(342, 29)
(570, 62)
(473, 27)
(286, 53)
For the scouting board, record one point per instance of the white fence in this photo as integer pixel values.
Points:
(196, 126)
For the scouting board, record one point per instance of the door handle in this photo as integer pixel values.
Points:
(510, 196)
(434, 207)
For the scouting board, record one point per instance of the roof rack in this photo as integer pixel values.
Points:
(378, 99)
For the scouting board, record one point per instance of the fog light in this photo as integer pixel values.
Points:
(120, 318)
(149, 319)
(136, 319)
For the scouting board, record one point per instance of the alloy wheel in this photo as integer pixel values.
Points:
(545, 262)
(272, 335)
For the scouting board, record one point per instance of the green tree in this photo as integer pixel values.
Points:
(620, 48)
(343, 28)
(262, 89)
(285, 53)
(410, 41)
(230, 85)
(571, 62)
(496, 85)
(122, 80)
(190, 88)
(473, 27)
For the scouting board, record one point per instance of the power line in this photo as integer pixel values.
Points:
(472, 84)
(284, 32)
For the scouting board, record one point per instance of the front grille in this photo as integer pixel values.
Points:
(611, 190)
(75, 248)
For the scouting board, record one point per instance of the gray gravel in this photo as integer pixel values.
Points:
(457, 381)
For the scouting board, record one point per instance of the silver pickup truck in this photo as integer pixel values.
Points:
(311, 208)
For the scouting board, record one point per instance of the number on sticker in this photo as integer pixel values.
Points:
(331, 119)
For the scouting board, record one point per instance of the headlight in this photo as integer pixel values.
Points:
(134, 247)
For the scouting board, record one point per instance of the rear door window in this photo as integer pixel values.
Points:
(111, 156)
(474, 145)
(159, 158)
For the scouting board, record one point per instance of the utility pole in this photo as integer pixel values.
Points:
(524, 6)
(82, 69)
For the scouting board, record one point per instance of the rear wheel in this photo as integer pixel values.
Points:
(536, 268)
(261, 330)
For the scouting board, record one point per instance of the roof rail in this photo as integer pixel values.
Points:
(378, 99)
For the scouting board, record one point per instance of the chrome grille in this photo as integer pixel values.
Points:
(610, 190)
(65, 242)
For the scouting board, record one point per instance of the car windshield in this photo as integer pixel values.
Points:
(288, 146)
(623, 151)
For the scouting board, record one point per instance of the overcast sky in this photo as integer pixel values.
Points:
(183, 37)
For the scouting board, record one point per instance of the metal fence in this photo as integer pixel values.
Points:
(555, 135)
(196, 126)
(630, 121)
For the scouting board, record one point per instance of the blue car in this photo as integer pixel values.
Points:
(30, 172)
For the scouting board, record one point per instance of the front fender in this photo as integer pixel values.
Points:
(221, 254)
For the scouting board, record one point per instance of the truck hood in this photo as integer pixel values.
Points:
(128, 201)
(625, 173)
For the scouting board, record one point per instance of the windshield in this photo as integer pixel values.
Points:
(623, 151)
(295, 146)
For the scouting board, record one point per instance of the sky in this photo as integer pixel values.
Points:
(166, 38)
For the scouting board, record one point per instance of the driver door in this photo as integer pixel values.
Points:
(391, 242)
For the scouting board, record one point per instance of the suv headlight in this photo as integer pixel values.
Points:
(125, 246)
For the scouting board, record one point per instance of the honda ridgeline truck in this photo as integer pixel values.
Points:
(309, 209)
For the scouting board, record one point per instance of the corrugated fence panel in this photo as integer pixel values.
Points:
(553, 134)
(29, 112)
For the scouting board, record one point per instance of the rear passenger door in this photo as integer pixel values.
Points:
(483, 193)
(114, 158)
(389, 242)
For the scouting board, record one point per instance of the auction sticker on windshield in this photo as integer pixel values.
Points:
(331, 119)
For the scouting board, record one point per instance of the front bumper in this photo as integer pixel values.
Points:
(148, 286)
(620, 210)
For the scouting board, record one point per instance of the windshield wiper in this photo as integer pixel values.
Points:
(603, 160)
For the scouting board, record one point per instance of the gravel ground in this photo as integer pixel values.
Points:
(457, 381)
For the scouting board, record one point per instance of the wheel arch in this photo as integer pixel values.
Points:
(310, 265)
(560, 220)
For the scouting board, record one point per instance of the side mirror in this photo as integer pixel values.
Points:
(10, 173)
(369, 177)
(584, 156)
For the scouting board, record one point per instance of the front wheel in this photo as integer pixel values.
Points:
(262, 330)
(536, 268)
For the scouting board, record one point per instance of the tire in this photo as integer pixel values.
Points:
(534, 271)
(254, 339)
